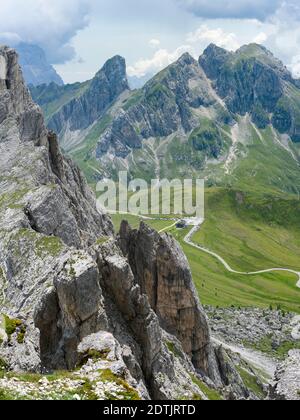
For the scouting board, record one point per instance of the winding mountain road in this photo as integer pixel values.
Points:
(188, 240)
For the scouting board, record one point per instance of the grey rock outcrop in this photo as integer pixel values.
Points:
(163, 274)
(287, 379)
(162, 373)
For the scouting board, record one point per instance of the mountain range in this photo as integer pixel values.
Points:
(215, 117)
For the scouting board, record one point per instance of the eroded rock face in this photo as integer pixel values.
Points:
(164, 375)
(45, 207)
(163, 274)
(243, 79)
(102, 91)
(163, 106)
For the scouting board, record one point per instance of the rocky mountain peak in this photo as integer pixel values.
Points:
(114, 72)
(186, 59)
(16, 101)
(116, 64)
(212, 60)
(162, 107)
(92, 98)
(185, 107)
(264, 56)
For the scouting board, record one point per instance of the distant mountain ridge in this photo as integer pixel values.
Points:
(74, 108)
(36, 69)
(209, 118)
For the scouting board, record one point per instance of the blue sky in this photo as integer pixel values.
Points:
(79, 35)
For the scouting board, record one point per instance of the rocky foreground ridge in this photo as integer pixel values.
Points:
(122, 309)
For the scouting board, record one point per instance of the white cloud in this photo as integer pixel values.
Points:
(161, 59)
(195, 43)
(154, 43)
(10, 38)
(294, 67)
(49, 24)
(216, 36)
(284, 35)
(260, 38)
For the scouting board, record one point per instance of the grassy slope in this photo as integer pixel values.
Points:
(251, 233)
(65, 95)
(218, 287)
(84, 155)
(253, 224)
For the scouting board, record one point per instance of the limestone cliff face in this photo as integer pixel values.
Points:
(63, 291)
(163, 274)
(252, 80)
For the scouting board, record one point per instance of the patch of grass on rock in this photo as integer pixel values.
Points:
(128, 394)
(211, 394)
